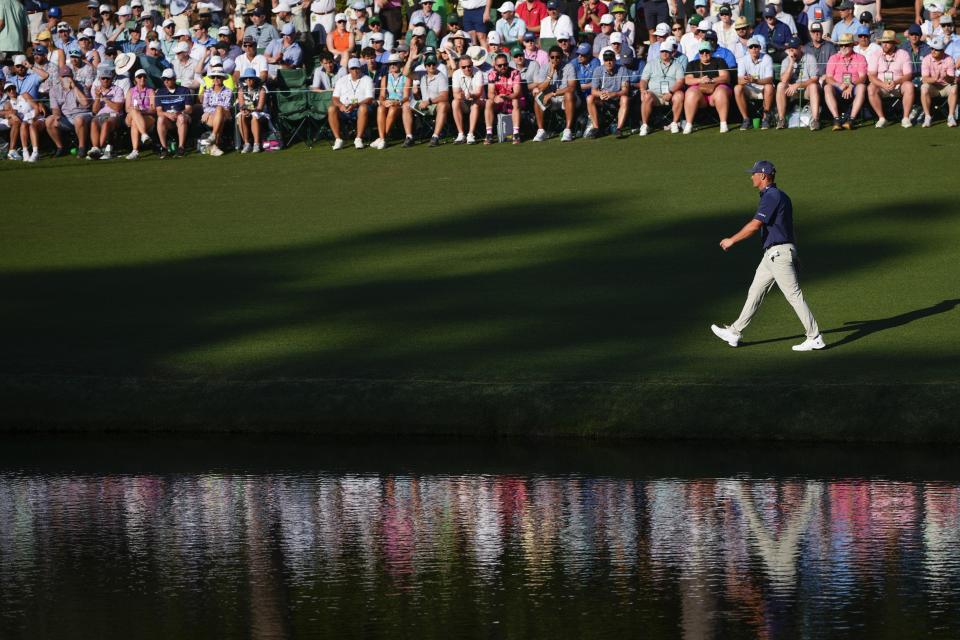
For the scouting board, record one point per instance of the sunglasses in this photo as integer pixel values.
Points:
(466, 66)
(558, 57)
(501, 66)
(754, 46)
(248, 46)
(343, 21)
(429, 64)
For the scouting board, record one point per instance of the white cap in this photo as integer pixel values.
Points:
(493, 38)
(168, 73)
(19, 60)
(215, 61)
(616, 37)
(376, 37)
(393, 59)
(935, 6)
(339, 17)
(755, 41)
(223, 31)
(136, 3)
(947, 19)
(506, 6)
(282, 7)
(179, 33)
(124, 11)
(354, 63)
(88, 33)
(703, 26)
(559, 35)
(182, 47)
(105, 8)
(607, 18)
(154, 44)
(936, 42)
(663, 29)
(288, 29)
(169, 23)
(419, 30)
(669, 43)
(140, 72)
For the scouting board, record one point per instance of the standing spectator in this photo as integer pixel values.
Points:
(708, 85)
(503, 96)
(69, 111)
(556, 89)
(251, 110)
(509, 27)
(217, 103)
(174, 108)
(820, 48)
(891, 76)
(141, 112)
(819, 11)
(13, 27)
(532, 12)
(340, 41)
(352, 100)
(755, 82)
(657, 11)
(846, 78)
(799, 77)
(939, 79)
(475, 14)
(107, 107)
(610, 91)
(661, 84)
(847, 25)
(250, 59)
(468, 98)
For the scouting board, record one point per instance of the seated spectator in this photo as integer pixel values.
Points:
(504, 95)
(65, 39)
(419, 37)
(623, 25)
(891, 76)
(217, 64)
(774, 32)
(141, 112)
(510, 27)
(602, 40)
(174, 108)
(744, 33)
(285, 52)
(70, 112)
(939, 79)
(847, 25)
(217, 104)
(946, 23)
(395, 91)
(799, 78)
(376, 29)
(529, 70)
(784, 17)
(457, 48)
(434, 100)
(468, 98)
(660, 33)
(819, 48)
(866, 48)
(108, 101)
(426, 16)
(264, 33)
(555, 22)
(352, 101)
(83, 73)
(225, 37)
(916, 48)
(532, 51)
(567, 44)
(10, 121)
(46, 69)
(327, 73)
(819, 11)
(185, 67)
(167, 39)
(624, 54)
(722, 53)
(662, 84)
(846, 79)
(250, 59)
(154, 61)
(610, 91)
(493, 49)
(556, 90)
(251, 110)
(708, 85)
(932, 26)
(583, 64)
(690, 42)
(25, 110)
(755, 82)
(134, 44)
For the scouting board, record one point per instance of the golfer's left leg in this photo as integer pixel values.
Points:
(784, 269)
(763, 280)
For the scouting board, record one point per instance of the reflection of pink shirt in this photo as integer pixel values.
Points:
(897, 66)
(855, 65)
(940, 69)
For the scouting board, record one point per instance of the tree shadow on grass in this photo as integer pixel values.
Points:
(859, 329)
(552, 290)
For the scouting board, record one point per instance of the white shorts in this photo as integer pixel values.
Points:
(753, 91)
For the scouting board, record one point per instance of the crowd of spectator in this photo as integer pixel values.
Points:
(155, 70)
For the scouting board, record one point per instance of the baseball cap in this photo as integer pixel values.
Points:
(282, 7)
(140, 72)
(845, 5)
(793, 43)
(63, 26)
(616, 37)
(618, 7)
(170, 73)
(393, 59)
(529, 36)
(607, 18)
(754, 42)
(223, 31)
(703, 27)
(451, 19)
(54, 12)
(724, 10)
(354, 63)
(700, 3)
(506, 6)
(866, 17)
(763, 166)
(935, 6)
(914, 30)
(376, 37)
(553, 4)
(609, 55)
(136, 3)
(169, 23)
(9, 85)
(259, 12)
(105, 8)
(936, 42)
(402, 46)
(110, 50)
(769, 11)
(19, 60)
(288, 29)
(563, 35)
(584, 49)
(710, 36)
(249, 40)
(372, 20)
(40, 50)
(181, 33)
(669, 44)
(75, 53)
(93, 4)
(863, 30)
(663, 30)
(105, 71)
(816, 26)
(493, 38)
(217, 72)
(516, 51)
(946, 19)
(431, 59)
(181, 47)
(66, 72)
(124, 11)
(694, 20)
(704, 46)
(419, 30)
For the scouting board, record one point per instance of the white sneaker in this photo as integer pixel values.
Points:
(338, 144)
(644, 130)
(471, 139)
(674, 127)
(881, 123)
(379, 143)
(32, 157)
(951, 121)
(588, 131)
(810, 344)
(246, 148)
(688, 128)
(107, 153)
(358, 143)
(215, 150)
(927, 121)
(460, 139)
(255, 148)
(723, 127)
(145, 138)
(133, 155)
(26, 156)
(94, 153)
(725, 334)
(567, 136)
(541, 135)
(906, 123)
(14, 155)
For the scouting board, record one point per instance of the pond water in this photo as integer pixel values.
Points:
(285, 538)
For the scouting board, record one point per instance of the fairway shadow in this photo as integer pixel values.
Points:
(549, 289)
(859, 329)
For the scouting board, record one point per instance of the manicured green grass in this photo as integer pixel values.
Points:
(593, 262)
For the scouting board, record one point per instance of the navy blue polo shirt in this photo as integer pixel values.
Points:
(776, 214)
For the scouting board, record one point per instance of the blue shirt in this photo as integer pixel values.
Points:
(776, 214)
(726, 55)
(777, 38)
(174, 100)
(584, 73)
(29, 84)
(953, 49)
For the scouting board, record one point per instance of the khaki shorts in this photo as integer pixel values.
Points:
(943, 92)
(893, 93)
(753, 91)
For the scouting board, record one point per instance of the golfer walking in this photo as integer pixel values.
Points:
(774, 221)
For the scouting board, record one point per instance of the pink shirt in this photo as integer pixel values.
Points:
(855, 66)
(504, 85)
(889, 68)
(939, 70)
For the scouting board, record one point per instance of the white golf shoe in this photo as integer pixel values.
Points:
(567, 136)
(810, 344)
(725, 334)
(541, 135)
(644, 130)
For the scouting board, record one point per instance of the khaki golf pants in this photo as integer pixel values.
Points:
(779, 265)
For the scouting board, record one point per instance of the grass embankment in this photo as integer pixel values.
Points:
(540, 289)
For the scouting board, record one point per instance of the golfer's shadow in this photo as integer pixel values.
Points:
(859, 329)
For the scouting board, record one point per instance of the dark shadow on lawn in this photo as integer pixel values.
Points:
(589, 297)
(859, 329)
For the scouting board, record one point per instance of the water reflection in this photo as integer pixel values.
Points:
(277, 556)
